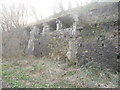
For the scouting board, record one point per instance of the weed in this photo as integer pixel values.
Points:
(62, 84)
(42, 85)
(17, 76)
(21, 76)
(70, 73)
(17, 84)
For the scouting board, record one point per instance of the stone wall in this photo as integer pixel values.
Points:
(70, 40)
(100, 45)
(41, 46)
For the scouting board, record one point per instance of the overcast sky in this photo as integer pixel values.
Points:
(43, 8)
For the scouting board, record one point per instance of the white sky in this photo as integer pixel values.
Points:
(43, 8)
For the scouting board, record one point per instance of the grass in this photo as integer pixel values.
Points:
(70, 73)
(17, 84)
(45, 73)
(63, 84)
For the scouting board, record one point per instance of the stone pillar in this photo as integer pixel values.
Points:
(71, 54)
(74, 28)
(34, 32)
(46, 28)
(75, 17)
(58, 24)
(72, 51)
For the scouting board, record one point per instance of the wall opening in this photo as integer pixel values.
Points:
(67, 21)
(102, 44)
(52, 25)
(40, 26)
(41, 53)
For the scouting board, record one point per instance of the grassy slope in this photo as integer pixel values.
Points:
(44, 73)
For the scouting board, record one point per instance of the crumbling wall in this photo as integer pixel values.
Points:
(41, 46)
(100, 45)
(59, 43)
(38, 42)
(69, 38)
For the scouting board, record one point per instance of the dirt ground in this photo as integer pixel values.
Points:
(5, 84)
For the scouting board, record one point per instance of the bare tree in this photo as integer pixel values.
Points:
(34, 14)
(94, 0)
(14, 16)
(60, 5)
(54, 8)
(69, 4)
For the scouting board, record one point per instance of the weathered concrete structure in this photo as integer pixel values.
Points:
(75, 37)
(39, 35)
